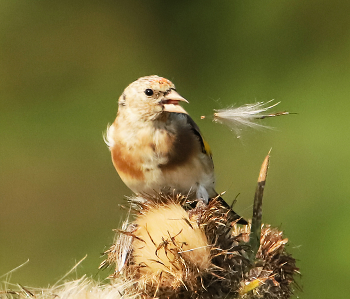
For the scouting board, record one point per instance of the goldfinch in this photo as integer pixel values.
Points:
(157, 147)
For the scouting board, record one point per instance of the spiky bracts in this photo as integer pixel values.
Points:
(169, 251)
(274, 270)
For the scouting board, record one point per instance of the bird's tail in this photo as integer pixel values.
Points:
(232, 215)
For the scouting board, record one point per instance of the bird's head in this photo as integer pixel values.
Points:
(149, 97)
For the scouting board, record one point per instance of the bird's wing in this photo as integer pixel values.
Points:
(195, 129)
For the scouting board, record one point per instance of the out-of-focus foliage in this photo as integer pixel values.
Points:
(63, 64)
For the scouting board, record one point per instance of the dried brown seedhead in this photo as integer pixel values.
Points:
(169, 251)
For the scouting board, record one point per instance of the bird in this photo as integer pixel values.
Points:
(155, 145)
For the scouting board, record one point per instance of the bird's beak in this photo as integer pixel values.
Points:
(171, 102)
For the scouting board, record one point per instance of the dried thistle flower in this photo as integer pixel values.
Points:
(273, 273)
(83, 288)
(178, 253)
(172, 250)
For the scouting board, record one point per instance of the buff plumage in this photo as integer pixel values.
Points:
(156, 146)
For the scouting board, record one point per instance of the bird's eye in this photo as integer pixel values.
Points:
(148, 92)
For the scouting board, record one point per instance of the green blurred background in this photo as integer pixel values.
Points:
(63, 65)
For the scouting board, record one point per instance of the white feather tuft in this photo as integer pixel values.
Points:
(107, 136)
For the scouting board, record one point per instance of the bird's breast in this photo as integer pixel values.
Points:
(137, 154)
(152, 158)
(126, 162)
